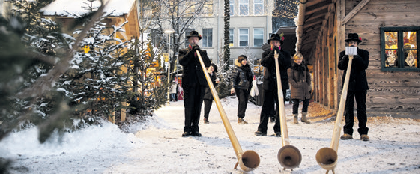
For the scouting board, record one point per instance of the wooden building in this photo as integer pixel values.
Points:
(389, 30)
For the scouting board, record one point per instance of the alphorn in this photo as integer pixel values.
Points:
(289, 156)
(248, 160)
(327, 157)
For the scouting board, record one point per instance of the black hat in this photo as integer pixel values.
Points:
(353, 37)
(241, 57)
(276, 37)
(194, 34)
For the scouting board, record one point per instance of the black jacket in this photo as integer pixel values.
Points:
(268, 62)
(193, 74)
(207, 91)
(358, 81)
(242, 76)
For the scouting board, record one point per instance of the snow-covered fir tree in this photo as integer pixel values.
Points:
(96, 78)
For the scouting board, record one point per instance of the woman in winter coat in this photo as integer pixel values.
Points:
(208, 97)
(300, 81)
(241, 84)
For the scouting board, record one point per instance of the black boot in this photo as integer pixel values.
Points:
(187, 132)
(195, 131)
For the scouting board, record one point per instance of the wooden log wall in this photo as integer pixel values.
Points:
(395, 93)
(325, 73)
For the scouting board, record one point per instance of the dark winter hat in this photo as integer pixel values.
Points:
(241, 58)
(276, 37)
(353, 37)
(194, 34)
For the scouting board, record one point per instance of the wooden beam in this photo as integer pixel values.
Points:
(354, 11)
(324, 22)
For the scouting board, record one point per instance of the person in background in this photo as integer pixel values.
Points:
(300, 81)
(242, 78)
(193, 83)
(173, 91)
(270, 83)
(208, 97)
(357, 88)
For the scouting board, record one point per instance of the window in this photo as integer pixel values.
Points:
(258, 7)
(187, 32)
(258, 37)
(208, 8)
(243, 37)
(156, 38)
(243, 7)
(231, 7)
(399, 48)
(207, 37)
(231, 34)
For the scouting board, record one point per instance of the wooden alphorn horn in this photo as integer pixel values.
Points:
(289, 156)
(327, 157)
(248, 160)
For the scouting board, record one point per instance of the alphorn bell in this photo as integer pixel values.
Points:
(327, 157)
(248, 160)
(289, 156)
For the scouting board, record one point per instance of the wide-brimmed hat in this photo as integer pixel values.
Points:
(276, 37)
(353, 37)
(194, 34)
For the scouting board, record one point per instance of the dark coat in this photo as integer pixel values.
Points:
(207, 91)
(358, 81)
(300, 81)
(242, 76)
(268, 62)
(193, 74)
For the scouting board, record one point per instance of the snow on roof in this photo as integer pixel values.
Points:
(80, 7)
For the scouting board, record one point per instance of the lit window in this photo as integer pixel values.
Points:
(399, 48)
(208, 8)
(258, 37)
(243, 37)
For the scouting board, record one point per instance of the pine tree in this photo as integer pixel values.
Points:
(96, 78)
(147, 94)
(226, 48)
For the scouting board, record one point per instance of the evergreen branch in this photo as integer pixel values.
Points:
(43, 84)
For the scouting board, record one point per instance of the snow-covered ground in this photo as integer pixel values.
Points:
(156, 146)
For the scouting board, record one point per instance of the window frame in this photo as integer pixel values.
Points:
(400, 50)
(262, 3)
(208, 38)
(239, 8)
(239, 37)
(233, 37)
(260, 34)
(232, 7)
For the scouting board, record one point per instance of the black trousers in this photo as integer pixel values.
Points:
(193, 99)
(270, 96)
(243, 95)
(361, 112)
(296, 105)
(207, 107)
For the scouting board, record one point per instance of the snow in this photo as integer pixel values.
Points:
(156, 146)
(79, 7)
